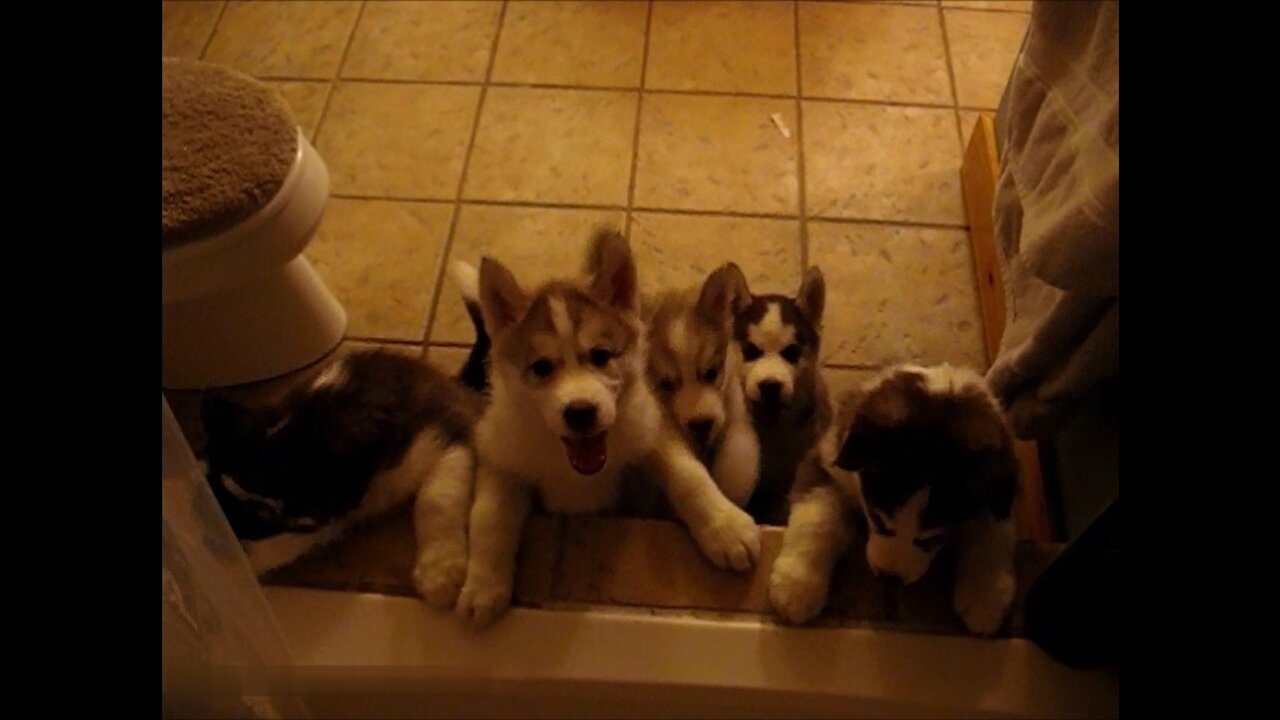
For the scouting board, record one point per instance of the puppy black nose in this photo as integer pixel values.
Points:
(770, 390)
(700, 429)
(580, 416)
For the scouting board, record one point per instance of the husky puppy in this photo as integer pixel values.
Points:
(695, 368)
(371, 431)
(569, 415)
(925, 456)
(780, 339)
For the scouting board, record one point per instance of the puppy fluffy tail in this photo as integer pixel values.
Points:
(475, 372)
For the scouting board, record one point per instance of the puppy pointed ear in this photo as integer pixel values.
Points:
(502, 302)
(614, 280)
(724, 293)
(812, 297)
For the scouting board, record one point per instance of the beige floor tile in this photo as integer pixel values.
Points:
(553, 146)
(185, 27)
(284, 39)
(423, 41)
(841, 381)
(968, 119)
(897, 294)
(306, 99)
(1013, 5)
(873, 52)
(718, 154)
(881, 162)
(984, 46)
(396, 140)
(572, 43)
(723, 47)
(448, 358)
(676, 251)
(380, 258)
(536, 244)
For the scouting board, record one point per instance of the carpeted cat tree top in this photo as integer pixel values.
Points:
(228, 142)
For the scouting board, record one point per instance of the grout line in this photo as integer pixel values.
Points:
(391, 198)
(442, 264)
(893, 223)
(951, 75)
(380, 340)
(337, 73)
(655, 210)
(873, 367)
(800, 161)
(213, 30)
(635, 136)
(415, 81)
(1005, 11)
(621, 88)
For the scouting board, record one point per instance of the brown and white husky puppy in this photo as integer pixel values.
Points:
(925, 456)
(696, 369)
(570, 414)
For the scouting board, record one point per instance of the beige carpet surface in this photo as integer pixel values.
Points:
(228, 142)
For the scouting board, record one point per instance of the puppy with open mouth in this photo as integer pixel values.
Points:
(925, 456)
(695, 367)
(570, 414)
(780, 338)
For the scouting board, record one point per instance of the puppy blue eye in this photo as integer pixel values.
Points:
(751, 352)
(710, 374)
(600, 357)
(542, 367)
(791, 353)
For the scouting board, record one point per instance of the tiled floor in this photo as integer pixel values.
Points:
(774, 134)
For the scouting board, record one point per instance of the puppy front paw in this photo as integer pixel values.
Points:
(440, 573)
(730, 540)
(983, 604)
(483, 599)
(797, 593)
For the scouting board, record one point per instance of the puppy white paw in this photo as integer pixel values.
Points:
(731, 540)
(440, 573)
(983, 604)
(483, 600)
(797, 593)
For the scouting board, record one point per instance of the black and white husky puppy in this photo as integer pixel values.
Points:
(780, 338)
(371, 431)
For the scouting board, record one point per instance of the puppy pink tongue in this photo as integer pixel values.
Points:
(587, 455)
